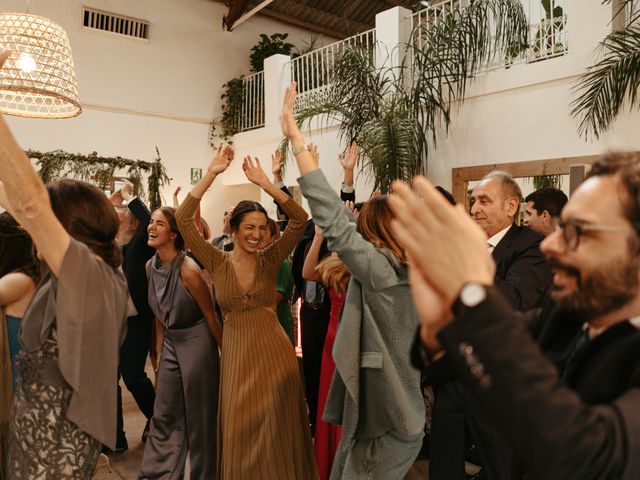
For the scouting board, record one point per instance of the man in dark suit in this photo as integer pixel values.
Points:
(522, 275)
(132, 237)
(585, 423)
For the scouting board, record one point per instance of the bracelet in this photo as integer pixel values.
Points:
(297, 150)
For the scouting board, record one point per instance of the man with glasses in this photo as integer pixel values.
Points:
(522, 275)
(580, 421)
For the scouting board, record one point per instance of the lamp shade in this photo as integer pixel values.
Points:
(38, 79)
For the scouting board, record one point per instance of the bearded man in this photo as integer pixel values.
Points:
(581, 421)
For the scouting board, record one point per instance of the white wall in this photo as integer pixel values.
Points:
(140, 94)
(522, 113)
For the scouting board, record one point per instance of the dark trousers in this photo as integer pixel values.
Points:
(455, 411)
(133, 356)
(314, 330)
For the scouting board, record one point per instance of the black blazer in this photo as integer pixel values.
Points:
(135, 255)
(522, 272)
(555, 432)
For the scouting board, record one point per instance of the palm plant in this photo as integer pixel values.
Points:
(395, 113)
(615, 78)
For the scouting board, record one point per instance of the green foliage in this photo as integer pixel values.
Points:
(601, 92)
(268, 45)
(547, 181)
(232, 98)
(100, 170)
(392, 113)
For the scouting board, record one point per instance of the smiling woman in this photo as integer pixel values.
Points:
(264, 426)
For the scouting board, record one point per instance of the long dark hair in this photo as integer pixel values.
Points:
(244, 207)
(86, 215)
(16, 249)
(170, 214)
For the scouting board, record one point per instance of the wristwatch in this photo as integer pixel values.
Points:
(471, 295)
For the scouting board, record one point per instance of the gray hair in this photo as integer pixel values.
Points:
(508, 185)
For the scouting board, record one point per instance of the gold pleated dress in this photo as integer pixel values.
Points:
(263, 422)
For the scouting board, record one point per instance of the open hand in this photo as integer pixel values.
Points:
(254, 172)
(221, 160)
(276, 164)
(350, 158)
(127, 190)
(457, 247)
(287, 119)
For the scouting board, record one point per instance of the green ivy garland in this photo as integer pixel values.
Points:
(58, 163)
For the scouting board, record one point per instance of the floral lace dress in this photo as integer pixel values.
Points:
(64, 406)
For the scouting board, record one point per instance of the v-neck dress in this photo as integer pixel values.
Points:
(263, 422)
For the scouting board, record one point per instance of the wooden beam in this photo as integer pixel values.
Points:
(303, 24)
(236, 9)
(252, 12)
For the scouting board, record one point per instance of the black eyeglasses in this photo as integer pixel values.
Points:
(572, 230)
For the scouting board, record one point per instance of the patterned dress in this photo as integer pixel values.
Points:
(64, 407)
(263, 423)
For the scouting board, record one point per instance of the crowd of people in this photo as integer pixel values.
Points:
(529, 335)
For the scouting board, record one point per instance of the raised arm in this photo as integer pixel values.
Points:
(206, 253)
(348, 162)
(312, 259)
(176, 200)
(27, 198)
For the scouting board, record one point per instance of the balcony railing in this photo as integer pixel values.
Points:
(547, 36)
(313, 71)
(430, 16)
(252, 112)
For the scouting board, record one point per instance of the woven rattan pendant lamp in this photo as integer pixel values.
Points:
(38, 79)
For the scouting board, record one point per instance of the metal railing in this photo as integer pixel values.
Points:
(547, 38)
(251, 114)
(432, 15)
(313, 71)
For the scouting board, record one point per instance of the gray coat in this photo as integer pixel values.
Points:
(375, 389)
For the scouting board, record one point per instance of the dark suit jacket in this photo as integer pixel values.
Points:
(134, 257)
(554, 431)
(522, 272)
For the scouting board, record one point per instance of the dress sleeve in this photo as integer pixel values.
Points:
(282, 247)
(370, 265)
(90, 314)
(206, 253)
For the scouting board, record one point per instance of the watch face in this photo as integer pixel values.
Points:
(472, 294)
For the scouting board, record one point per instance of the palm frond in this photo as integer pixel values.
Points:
(603, 89)
(393, 112)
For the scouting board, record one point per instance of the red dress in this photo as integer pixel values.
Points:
(327, 434)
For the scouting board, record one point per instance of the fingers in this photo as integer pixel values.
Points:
(258, 163)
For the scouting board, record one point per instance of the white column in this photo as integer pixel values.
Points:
(277, 76)
(393, 33)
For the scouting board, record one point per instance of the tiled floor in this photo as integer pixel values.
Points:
(125, 466)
